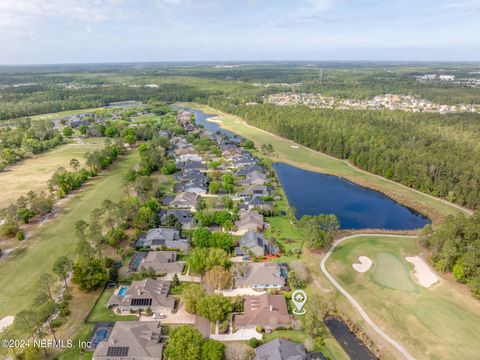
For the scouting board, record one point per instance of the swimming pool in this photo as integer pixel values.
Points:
(122, 291)
(100, 335)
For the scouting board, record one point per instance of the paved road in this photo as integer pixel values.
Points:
(355, 304)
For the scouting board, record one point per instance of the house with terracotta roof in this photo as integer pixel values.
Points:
(269, 311)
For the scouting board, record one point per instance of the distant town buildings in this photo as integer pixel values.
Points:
(395, 102)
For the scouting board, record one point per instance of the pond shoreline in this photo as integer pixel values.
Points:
(355, 206)
(351, 343)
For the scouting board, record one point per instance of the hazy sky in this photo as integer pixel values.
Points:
(66, 31)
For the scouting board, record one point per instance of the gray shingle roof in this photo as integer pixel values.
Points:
(137, 339)
(280, 349)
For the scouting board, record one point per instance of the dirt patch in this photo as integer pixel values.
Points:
(425, 276)
(6, 322)
(365, 263)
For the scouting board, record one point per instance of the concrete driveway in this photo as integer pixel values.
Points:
(180, 317)
(240, 335)
(240, 292)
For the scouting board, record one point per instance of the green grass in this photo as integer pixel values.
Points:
(100, 313)
(440, 322)
(329, 349)
(308, 159)
(20, 273)
(33, 173)
(51, 116)
(77, 353)
(392, 272)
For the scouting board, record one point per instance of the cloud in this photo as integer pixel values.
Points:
(25, 12)
(319, 5)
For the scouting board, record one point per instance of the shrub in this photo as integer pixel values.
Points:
(9, 228)
(63, 309)
(20, 235)
(56, 323)
(254, 343)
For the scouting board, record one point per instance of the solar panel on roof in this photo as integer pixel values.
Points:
(158, 242)
(116, 351)
(141, 302)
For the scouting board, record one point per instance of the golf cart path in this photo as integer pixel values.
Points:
(350, 298)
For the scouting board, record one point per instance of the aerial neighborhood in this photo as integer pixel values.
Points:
(208, 264)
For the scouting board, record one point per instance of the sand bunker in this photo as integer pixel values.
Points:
(5, 322)
(294, 146)
(425, 276)
(365, 264)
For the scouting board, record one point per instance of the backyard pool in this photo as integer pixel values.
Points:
(123, 290)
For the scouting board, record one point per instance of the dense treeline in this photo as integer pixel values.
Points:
(27, 103)
(23, 137)
(417, 150)
(455, 247)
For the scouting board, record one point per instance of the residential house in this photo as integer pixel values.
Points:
(131, 340)
(188, 175)
(250, 221)
(254, 178)
(191, 165)
(280, 349)
(162, 262)
(141, 295)
(255, 243)
(192, 181)
(247, 170)
(195, 186)
(256, 203)
(163, 237)
(260, 276)
(246, 159)
(191, 157)
(269, 311)
(255, 191)
(185, 117)
(185, 200)
(230, 151)
(184, 216)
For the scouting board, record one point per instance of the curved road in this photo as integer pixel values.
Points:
(355, 304)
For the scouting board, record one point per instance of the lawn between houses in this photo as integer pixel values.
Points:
(440, 322)
(57, 237)
(33, 173)
(298, 155)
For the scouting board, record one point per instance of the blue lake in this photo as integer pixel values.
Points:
(201, 119)
(356, 207)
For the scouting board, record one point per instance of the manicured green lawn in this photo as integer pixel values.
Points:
(62, 113)
(440, 322)
(305, 158)
(76, 353)
(19, 274)
(331, 349)
(33, 174)
(100, 313)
